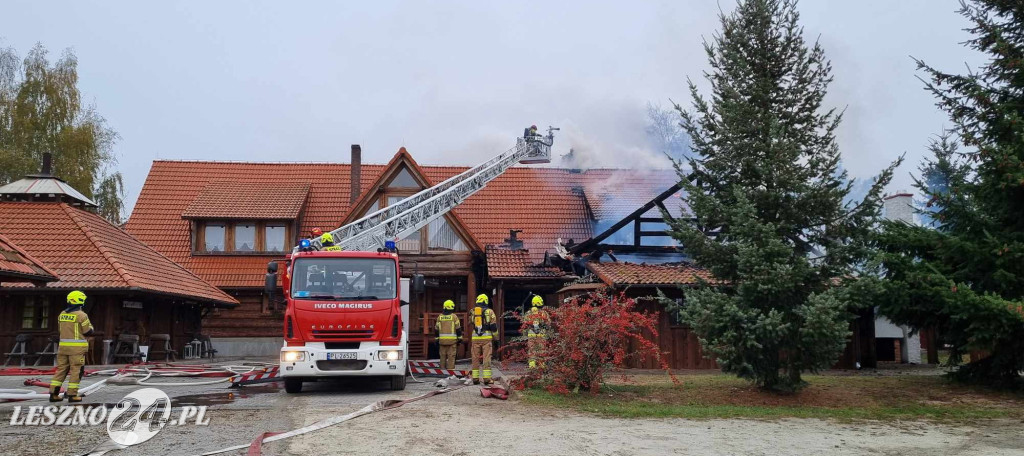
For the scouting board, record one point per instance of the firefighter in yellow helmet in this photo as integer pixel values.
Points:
(485, 325)
(449, 331)
(327, 243)
(537, 321)
(74, 326)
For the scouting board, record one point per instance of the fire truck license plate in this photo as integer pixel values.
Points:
(331, 356)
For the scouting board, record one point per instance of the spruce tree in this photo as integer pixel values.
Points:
(965, 277)
(765, 201)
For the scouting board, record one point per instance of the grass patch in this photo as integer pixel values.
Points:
(827, 397)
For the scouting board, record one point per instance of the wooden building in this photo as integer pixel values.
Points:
(131, 288)
(225, 221)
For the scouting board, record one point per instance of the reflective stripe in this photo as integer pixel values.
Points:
(447, 336)
(476, 373)
(487, 373)
(72, 386)
(55, 382)
(486, 336)
(74, 343)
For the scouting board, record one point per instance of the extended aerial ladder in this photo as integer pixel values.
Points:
(405, 217)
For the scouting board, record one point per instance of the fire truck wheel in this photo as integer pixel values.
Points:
(293, 385)
(398, 382)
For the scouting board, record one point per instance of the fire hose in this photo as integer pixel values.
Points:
(255, 447)
(125, 376)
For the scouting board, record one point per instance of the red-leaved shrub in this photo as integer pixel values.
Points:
(588, 334)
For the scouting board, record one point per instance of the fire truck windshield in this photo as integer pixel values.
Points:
(344, 279)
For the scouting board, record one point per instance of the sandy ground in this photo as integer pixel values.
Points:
(466, 424)
(463, 423)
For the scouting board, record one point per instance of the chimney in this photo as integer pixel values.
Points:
(900, 207)
(356, 168)
(47, 164)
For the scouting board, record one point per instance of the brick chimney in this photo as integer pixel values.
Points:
(356, 168)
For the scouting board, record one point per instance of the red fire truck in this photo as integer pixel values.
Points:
(346, 305)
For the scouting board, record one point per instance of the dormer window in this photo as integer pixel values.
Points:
(241, 237)
(231, 218)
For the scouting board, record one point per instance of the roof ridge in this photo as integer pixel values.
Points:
(107, 255)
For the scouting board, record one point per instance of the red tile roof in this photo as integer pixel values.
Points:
(17, 265)
(546, 203)
(236, 200)
(623, 274)
(516, 264)
(87, 252)
(403, 157)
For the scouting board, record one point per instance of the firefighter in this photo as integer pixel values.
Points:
(449, 331)
(327, 243)
(485, 324)
(537, 320)
(533, 131)
(74, 326)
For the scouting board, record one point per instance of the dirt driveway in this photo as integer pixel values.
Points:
(463, 423)
(466, 424)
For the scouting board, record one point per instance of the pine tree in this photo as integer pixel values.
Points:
(966, 278)
(766, 200)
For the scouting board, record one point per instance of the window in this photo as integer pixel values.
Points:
(275, 236)
(373, 207)
(404, 180)
(245, 237)
(213, 237)
(410, 243)
(344, 278)
(35, 315)
(443, 237)
(393, 200)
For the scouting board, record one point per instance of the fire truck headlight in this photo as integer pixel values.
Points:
(292, 356)
(389, 355)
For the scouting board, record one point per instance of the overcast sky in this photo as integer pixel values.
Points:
(455, 82)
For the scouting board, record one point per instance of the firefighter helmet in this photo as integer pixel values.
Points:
(76, 298)
(317, 232)
(326, 238)
(449, 305)
(538, 301)
(482, 299)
